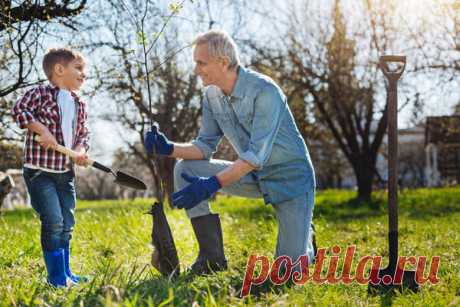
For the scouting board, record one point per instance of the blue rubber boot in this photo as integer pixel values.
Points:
(54, 261)
(75, 278)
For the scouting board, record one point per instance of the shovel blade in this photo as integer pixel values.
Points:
(129, 181)
(386, 284)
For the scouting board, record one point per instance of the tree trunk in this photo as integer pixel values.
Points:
(364, 173)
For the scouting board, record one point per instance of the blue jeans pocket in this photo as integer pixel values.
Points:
(31, 174)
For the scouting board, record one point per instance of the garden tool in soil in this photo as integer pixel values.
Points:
(393, 276)
(121, 178)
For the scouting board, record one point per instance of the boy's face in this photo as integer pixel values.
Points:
(72, 75)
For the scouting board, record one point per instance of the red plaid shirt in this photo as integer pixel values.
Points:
(40, 104)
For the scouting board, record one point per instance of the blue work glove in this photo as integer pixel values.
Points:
(157, 142)
(199, 189)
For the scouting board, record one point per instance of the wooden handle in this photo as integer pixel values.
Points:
(392, 75)
(66, 151)
(393, 58)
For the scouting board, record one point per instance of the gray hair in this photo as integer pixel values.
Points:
(220, 44)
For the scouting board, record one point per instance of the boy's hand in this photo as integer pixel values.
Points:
(48, 140)
(82, 158)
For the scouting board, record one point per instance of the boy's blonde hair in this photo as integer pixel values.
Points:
(58, 56)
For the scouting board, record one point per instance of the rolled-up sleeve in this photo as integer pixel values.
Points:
(209, 134)
(269, 110)
(24, 109)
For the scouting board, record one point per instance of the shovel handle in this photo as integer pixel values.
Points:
(393, 58)
(392, 75)
(68, 152)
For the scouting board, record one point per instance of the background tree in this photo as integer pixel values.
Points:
(333, 66)
(23, 27)
(435, 39)
(457, 109)
(438, 44)
(14, 12)
(10, 156)
(175, 94)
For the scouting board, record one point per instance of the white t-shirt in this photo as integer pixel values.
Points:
(67, 106)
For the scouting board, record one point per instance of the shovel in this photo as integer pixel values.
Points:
(121, 178)
(393, 277)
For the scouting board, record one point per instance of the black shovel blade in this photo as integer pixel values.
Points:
(129, 181)
(387, 284)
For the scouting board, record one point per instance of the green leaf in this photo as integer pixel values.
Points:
(141, 38)
(175, 7)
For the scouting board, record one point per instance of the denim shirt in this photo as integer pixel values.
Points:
(257, 121)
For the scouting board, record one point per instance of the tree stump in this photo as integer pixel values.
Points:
(6, 184)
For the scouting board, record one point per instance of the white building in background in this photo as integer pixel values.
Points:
(411, 162)
(432, 174)
(410, 156)
(442, 139)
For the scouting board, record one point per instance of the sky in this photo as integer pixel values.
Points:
(194, 18)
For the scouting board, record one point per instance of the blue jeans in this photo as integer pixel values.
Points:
(53, 197)
(294, 216)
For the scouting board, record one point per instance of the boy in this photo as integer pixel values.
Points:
(58, 116)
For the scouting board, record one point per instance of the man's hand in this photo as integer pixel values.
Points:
(199, 189)
(47, 140)
(158, 142)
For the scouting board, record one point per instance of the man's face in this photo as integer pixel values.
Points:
(209, 69)
(73, 74)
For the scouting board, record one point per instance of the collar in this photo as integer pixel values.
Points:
(55, 90)
(52, 87)
(238, 90)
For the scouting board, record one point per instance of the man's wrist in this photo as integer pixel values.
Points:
(169, 149)
(217, 181)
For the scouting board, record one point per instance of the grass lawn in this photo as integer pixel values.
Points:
(112, 244)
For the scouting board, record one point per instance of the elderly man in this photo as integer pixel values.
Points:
(274, 164)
